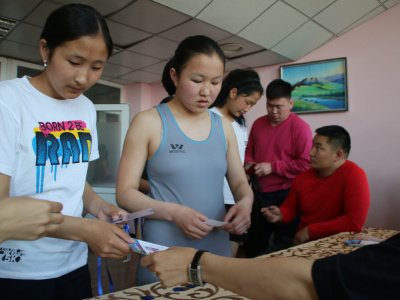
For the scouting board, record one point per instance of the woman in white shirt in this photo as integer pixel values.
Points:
(240, 91)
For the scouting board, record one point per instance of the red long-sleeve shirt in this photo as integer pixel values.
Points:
(286, 146)
(328, 205)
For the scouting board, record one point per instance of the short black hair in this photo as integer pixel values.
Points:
(338, 137)
(279, 88)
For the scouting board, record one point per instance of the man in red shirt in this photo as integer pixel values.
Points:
(279, 144)
(333, 196)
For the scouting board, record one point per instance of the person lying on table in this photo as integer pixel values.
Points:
(332, 196)
(370, 272)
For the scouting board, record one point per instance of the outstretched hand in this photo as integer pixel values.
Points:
(239, 217)
(106, 239)
(171, 265)
(109, 211)
(272, 214)
(191, 222)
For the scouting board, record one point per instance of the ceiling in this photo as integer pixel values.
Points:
(148, 31)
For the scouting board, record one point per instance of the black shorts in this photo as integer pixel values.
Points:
(71, 286)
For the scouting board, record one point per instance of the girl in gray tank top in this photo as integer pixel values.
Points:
(186, 152)
(190, 173)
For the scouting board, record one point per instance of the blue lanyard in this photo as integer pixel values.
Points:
(99, 284)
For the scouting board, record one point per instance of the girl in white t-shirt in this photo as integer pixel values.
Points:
(48, 138)
(240, 91)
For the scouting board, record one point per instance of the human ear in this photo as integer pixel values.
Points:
(291, 103)
(233, 93)
(338, 155)
(174, 76)
(44, 49)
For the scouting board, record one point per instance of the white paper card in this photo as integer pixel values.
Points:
(215, 223)
(145, 248)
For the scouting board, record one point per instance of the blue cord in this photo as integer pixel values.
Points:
(99, 284)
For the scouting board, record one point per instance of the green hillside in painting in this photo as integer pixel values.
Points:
(327, 90)
(306, 106)
(312, 93)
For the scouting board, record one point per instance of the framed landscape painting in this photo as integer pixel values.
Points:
(318, 86)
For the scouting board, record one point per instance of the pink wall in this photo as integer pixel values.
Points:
(373, 68)
(143, 96)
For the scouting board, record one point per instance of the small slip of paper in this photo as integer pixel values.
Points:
(215, 223)
(360, 243)
(132, 216)
(146, 248)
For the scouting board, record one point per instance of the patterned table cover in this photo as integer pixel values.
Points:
(312, 250)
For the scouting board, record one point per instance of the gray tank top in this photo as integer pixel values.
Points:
(190, 173)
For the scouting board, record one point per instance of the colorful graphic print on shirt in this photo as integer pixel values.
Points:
(61, 143)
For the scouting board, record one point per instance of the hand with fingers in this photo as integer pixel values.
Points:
(272, 214)
(106, 239)
(263, 169)
(171, 265)
(25, 218)
(238, 217)
(191, 222)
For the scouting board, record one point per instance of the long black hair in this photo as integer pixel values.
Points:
(72, 21)
(246, 81)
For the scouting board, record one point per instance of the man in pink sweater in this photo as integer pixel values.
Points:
(333, 196)
(279, 144)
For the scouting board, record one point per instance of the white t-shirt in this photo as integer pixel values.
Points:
(241, 136)
(45, 147)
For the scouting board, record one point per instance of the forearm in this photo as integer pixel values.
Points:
(105, 239)
(290, 169)
(341, 224)
(72, 228)
(92, 203)
(243, 192)
(261, 278)
(132, 200)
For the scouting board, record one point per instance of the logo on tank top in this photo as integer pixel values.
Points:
(177, 148)
(10, 255)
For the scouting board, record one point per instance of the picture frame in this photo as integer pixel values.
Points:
(318, 86)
